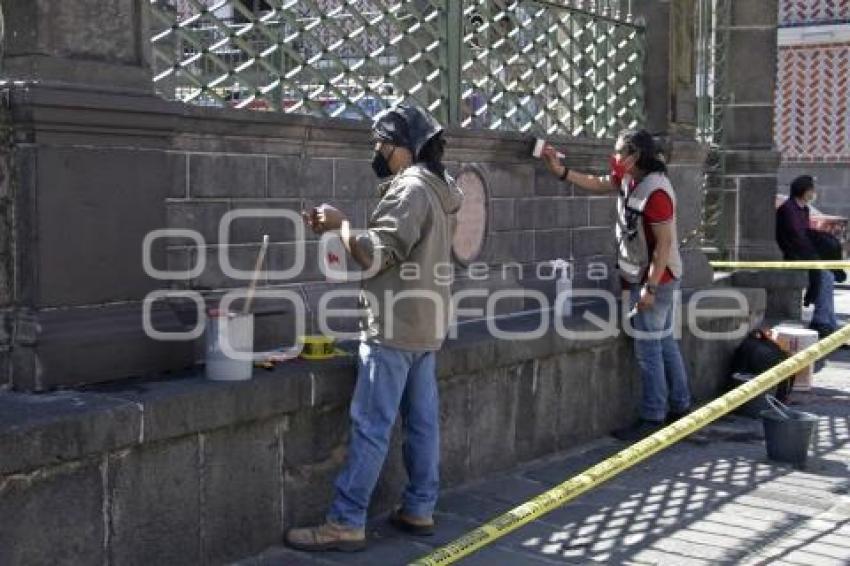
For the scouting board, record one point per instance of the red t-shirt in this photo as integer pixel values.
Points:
(659, 209)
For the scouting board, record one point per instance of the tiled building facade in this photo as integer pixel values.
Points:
(813, 97)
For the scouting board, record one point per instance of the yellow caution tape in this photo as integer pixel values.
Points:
(634, 454)
(780, 264)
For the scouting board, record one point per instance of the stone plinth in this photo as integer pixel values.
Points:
(86, 42)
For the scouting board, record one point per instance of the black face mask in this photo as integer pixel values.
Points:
(380, 165)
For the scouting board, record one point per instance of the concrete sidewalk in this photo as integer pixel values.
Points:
(718, 502)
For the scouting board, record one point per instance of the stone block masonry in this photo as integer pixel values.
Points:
(139, 460)
(94, 177)
(188, 471)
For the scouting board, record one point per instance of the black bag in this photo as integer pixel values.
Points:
(828, 248)
(757, 354)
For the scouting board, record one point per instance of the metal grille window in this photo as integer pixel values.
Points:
(713, 17)
(547, 67)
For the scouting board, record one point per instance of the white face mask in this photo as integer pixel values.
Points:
(812, 199)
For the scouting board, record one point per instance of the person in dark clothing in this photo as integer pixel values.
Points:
(792, 229)
(829, 248)
(792, 235)
(792, 221)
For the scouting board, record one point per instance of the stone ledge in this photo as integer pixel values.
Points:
(783, 290)
(39, 430)
(476, 351)
(43, 430)
(182, 470)
(774, 279)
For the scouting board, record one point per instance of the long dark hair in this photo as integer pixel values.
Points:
(801, 184)
(431, 156)
(642, 142)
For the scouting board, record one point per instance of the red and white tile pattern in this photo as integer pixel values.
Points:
(813, 102)
(813, 11)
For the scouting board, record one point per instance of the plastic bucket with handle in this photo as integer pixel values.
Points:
(787, 433)
(238, 331)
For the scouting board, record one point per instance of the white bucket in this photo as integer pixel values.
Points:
(795, 339)
(238, 330)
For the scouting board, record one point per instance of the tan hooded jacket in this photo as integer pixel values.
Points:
(410, 233)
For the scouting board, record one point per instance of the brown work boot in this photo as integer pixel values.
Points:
(328, 536)
(419, 526)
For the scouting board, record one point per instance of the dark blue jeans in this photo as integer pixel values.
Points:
(662, 371)
(389, 380)
(824, 315)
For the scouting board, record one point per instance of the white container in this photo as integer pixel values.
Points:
(539, 146)
(795, 339)
(238, 331)
(334, 262)
(563, 286)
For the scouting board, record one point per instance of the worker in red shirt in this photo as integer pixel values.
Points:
(650, 266)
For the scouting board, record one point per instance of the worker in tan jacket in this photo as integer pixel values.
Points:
(406, 316)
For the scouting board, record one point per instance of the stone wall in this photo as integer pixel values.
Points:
(748, 222)
(151, 464)
(137, 459)
(93, 173)
(188, 471)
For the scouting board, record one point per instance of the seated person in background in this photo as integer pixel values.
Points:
(796, 243)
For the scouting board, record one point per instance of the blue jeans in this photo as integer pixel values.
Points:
(824, 315)
(388, 380)
(662, 369)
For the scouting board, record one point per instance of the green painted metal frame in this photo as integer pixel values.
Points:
(571, 67)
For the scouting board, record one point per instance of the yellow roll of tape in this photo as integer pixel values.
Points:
(317, 347)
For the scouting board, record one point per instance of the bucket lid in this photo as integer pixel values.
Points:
(795, 331)
(218, 313)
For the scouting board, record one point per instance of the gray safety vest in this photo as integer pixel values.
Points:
(633, 253)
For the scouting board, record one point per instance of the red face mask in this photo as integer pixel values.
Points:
(618, 170)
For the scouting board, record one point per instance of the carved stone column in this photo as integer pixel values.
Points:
(669, 77)
(86, 172)
(92, 42)
(748, 142)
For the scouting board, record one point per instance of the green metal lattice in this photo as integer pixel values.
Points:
(546, 67)
(540, 66)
